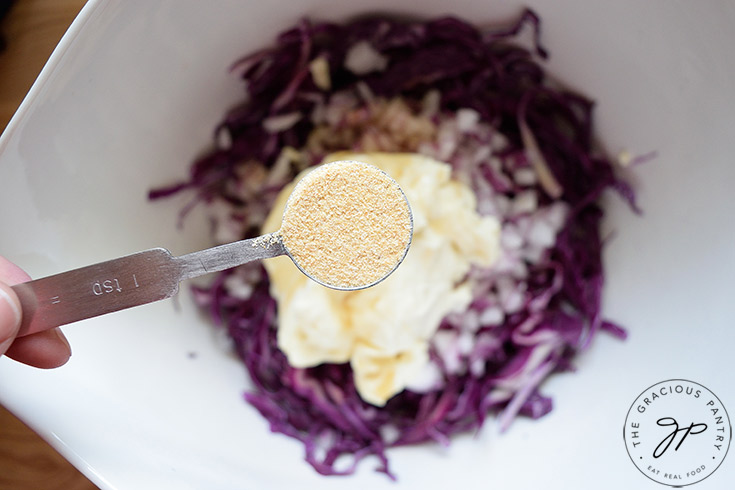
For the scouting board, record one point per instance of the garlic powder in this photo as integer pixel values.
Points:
(347, 225)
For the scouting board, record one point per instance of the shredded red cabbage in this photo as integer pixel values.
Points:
(530, 316)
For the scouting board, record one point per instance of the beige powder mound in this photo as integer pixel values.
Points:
(347, 224)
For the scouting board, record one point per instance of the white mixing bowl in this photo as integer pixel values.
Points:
(130, 97)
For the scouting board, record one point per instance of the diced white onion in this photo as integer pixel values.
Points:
(524, 202)
(491, 316)
(362, 59)
(429, 379)
(281, 122)
(467, 120)
(524, 176)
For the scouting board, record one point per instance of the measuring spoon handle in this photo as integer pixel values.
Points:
(121, 283)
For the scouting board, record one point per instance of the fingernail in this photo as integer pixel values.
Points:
(63, 338)
(9, 318)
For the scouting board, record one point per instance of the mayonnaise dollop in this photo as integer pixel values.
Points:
(384, 331)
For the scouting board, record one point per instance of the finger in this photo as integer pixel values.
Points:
(11, 273)
(9, 316)
(44, 350)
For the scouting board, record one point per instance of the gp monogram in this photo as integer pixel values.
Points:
(677, 432)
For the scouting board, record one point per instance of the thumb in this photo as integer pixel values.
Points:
(9, 316)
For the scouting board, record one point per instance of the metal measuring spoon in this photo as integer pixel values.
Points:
(141, 278)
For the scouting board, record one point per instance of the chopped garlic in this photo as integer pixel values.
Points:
(319, 69)
(624, 158)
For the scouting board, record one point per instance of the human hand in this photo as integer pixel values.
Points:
(47, 349)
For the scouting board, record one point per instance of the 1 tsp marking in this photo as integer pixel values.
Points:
(108, 286)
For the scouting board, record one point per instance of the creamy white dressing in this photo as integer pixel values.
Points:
(384, 331)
